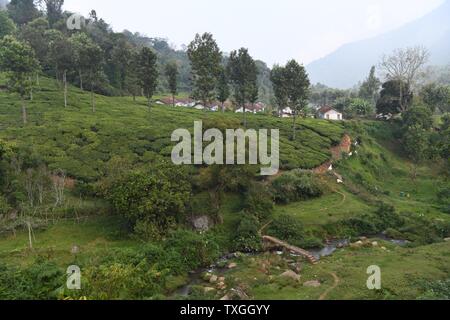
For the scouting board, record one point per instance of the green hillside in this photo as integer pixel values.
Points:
(124, 136)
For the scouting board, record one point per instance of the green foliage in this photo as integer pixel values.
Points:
(152, 201)
(223, 89)
(243, 74)
(370, 87)
(258, 201)
(18, 60)
(7, 26)
(40, 281)
(437, 290)
(22, 11)
(147, 72)
(394, 98)
(205, 57)
(296, 185)
(436, 97)
(289, 229)
(418, 116)
(195, 249)
(172, 77)
(246, 237)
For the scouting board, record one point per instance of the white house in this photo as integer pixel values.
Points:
(286, 112)
(329, 113)
(252, 108)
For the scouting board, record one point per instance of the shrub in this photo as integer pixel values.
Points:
(388, 217)
(195, 250)
(296, 185)
(258, 201)
(153, 202)
(438, 290)
(246, 238)
(288, 229)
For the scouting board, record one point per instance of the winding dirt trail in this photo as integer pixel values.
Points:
(337, 281)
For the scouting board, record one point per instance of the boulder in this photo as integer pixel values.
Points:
(374, 244)
(213, 279)
(312, 284)
(447, 239)
(232, 265)
(201, 223)
(291, 275)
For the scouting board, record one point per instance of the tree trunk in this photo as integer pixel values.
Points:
(29, 235)
(24, 112)
(223, 107)
(65, 88)
(149, 100)
(294, 128)
(38, 81)
(92, 100)
(81, 79)
(173, 100)
(245, 116)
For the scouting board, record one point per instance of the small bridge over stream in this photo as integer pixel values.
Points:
(274, 242)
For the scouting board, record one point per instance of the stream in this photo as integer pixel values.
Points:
(220, 267)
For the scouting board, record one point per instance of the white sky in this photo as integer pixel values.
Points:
(273, 30)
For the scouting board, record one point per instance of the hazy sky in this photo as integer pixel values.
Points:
(273, 30)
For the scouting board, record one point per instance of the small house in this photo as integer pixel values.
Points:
(328, 113)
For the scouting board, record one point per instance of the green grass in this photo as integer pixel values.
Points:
(80, 142)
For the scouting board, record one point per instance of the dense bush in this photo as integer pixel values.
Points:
(195, 250)
(246, 237)
(40, 281)
(289, 229)
(296, 185)
(153, 201)
(258, 201)
(438, 290)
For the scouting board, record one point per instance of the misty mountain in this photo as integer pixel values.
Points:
(3, 4)
(351, 63)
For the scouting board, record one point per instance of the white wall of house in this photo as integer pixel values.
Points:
(331, 115)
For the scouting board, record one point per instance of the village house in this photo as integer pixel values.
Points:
(286, 112)
(328, 113)
(252, 108)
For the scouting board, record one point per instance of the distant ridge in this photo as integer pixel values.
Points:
(351, 63)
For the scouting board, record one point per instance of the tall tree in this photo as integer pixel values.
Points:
(18, 60)
(370, 87)
(34, 33)
(172, 79)
(279, 87)
(223, 89)
(403, 65)
(82, 46)
(436, 96)
(7, 26)
(54, 10)
(243, 77)
(132, 79)
(22, 11)
(148, 73)
(297, 89)
(121, 59)
(389, 101)
(205, 57)
(61, 54)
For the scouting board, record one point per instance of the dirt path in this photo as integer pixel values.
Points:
(336, 283)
